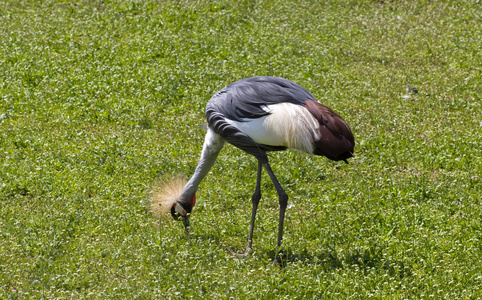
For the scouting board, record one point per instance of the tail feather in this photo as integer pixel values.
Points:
(336, 140)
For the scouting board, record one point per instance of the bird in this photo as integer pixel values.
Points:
(258, 115)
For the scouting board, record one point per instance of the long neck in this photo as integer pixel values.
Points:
(213, 143)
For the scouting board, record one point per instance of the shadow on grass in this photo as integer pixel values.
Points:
(366, 260)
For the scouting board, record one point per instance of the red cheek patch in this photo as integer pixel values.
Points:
(193, 200)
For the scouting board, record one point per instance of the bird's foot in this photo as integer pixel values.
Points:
(280, 259)
(239, 255)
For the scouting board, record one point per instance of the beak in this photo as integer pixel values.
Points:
(185, 221)
(180, 214)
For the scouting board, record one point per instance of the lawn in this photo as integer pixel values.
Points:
(100, 101)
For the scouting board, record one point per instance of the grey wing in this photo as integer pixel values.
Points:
(245, 98)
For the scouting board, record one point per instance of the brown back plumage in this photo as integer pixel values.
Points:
(336, 139)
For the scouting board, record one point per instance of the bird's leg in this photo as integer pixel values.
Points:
(283, 203)
(255, 199)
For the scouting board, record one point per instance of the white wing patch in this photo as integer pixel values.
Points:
(287, 125)
(265, 108)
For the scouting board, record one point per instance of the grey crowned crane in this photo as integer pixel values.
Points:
(257, 115)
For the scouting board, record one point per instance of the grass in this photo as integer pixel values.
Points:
(100, 101)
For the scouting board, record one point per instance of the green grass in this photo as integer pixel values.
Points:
(99, 100)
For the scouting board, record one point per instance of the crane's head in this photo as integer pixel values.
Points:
(181, 211)
(168, 197)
